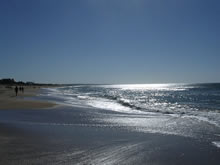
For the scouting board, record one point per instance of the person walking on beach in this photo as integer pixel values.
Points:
(16, 90)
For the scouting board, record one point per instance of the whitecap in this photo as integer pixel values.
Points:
(216, 143)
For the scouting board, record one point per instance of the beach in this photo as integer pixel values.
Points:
(8, 99)
(70, 134)
(110, 82)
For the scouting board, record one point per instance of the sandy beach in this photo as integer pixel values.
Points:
(70, 135)
(80, 135)
(8, 99)
(109, 82)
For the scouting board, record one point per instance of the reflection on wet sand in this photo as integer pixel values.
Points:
(79, 136)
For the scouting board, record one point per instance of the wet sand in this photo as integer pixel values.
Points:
(8, 99)
(72, 135)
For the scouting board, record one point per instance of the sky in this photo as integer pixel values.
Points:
(110, 41)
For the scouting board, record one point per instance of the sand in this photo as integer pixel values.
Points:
(68, 135)
(74, 135)
(8, 99)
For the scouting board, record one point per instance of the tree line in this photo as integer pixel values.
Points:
(11, 81)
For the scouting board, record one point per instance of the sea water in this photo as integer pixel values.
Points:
(191, 110)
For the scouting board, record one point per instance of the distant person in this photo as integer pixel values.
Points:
(22, 89)
(16, 90)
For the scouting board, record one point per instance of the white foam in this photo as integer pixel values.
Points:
(216, 143)
(83, 97)
(209, 117)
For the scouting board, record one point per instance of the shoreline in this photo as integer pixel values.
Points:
(81, 135)
(72, 135)
(8, 99)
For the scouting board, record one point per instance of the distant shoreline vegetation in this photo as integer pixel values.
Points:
(11, 81)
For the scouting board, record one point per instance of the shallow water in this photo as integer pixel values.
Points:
(191, 110)
(196, 100)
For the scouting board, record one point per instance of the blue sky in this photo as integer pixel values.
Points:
(110, 41)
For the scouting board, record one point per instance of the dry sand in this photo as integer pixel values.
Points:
(8, 99)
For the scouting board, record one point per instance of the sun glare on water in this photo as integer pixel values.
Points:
(148, 86)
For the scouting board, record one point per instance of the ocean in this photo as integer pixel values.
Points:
(191, 110)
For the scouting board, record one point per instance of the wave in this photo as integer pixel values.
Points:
(216, 143)
(194, 101)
